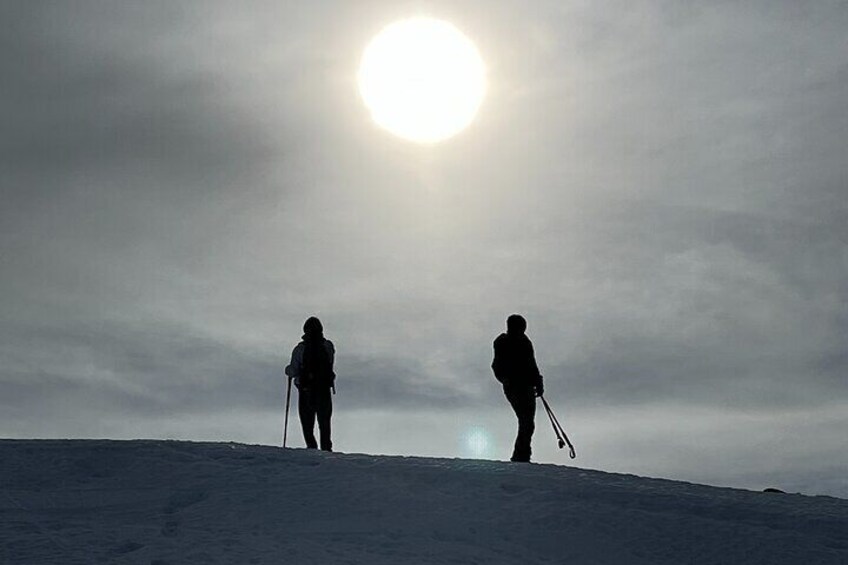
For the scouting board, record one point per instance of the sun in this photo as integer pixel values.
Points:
(422, 79)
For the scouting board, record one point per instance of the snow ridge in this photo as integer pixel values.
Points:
(168, 502)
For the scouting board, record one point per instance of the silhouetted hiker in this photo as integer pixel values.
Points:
(515, 367)
(311, 368)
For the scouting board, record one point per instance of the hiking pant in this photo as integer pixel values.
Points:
(523, 402)
(314, 402)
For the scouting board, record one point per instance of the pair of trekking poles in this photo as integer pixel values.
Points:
(562, 438)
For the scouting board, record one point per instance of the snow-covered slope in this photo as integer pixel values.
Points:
(162, 502)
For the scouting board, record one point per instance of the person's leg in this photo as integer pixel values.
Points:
(324, 406)
(526, 425)
(514, 400)
(306, 410)
(523, 403)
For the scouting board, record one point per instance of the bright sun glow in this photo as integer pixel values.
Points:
(422, 79)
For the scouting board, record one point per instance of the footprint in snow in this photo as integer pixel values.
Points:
(128, 547)
(169, 530)
(512, 489)
(183, 499)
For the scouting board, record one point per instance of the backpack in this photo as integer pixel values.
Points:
(317, 368)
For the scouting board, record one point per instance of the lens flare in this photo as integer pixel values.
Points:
(477, 442)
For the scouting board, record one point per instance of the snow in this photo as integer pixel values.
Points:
(167, 502)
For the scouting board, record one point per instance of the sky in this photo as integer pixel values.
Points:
(660, 188)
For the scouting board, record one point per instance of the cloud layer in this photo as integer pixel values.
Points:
(661, 189)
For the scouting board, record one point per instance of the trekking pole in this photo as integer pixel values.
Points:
(560, 441)
(562, 437)
(288, 401)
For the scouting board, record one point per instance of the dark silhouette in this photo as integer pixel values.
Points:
(311, 368)
(515, 368)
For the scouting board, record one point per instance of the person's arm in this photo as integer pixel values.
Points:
(538, 384)
(497, 363)
(296, 365)
(331, 353)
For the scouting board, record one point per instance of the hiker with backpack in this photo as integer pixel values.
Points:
(311, 369)
(515, 368)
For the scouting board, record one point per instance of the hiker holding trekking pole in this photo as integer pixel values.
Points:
(515, 368)
(311, 369)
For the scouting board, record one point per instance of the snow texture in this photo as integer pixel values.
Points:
(166, 502)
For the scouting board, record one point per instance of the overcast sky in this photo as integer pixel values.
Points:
(661, 188)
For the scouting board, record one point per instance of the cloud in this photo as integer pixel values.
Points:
(166, 371)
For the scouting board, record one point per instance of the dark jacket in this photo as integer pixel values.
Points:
(515, 363)
(295, 368)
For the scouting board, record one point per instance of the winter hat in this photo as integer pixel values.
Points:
(516, 324)
(313, 326)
